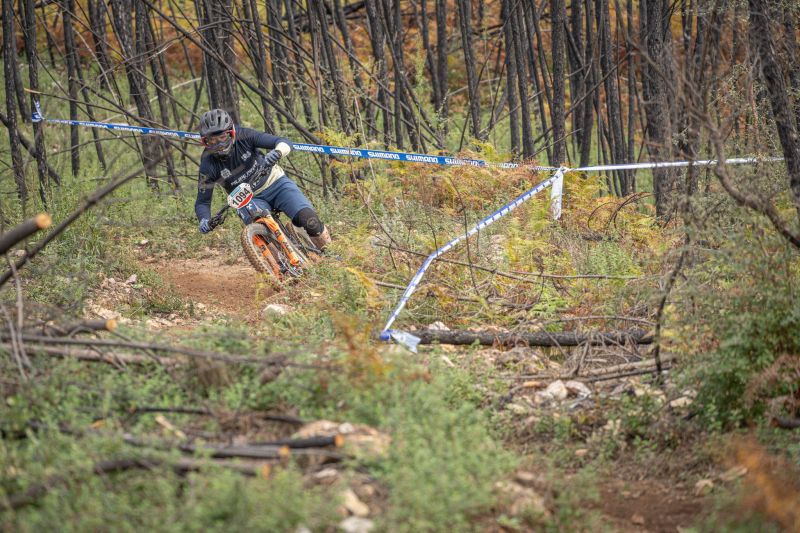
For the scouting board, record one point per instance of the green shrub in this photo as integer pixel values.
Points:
(748, 308)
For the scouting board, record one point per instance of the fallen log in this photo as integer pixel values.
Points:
(115, 359)
(244, 451)
(539, 338)
(278, 359)
(647, 364)
(324, 441)
(786, 422)
(81, 326)
(23, 230)
(181, 465)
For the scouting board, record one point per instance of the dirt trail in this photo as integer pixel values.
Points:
(233, 289)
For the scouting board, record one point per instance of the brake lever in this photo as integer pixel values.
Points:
(217, 220)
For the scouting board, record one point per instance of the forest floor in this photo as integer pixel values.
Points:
(452, 438)
(627, 497)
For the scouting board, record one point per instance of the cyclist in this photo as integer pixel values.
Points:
(231, 157)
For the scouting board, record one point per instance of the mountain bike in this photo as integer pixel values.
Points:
(272, 247)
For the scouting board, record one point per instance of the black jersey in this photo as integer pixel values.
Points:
(244, 163)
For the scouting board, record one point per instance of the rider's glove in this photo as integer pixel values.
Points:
(205, 226)
(273, 157)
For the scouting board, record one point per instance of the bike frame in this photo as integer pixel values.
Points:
(275, 227)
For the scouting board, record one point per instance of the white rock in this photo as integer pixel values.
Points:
(517, 409)
(131, 280)
(556, 390)
(683, 401)
(354, 524)
(703, 487)
(438, 326)
(354, 506)
(20, 253)
(578, 388)
(733, 473)
(143, 242)
(302, 529)
(276, 310)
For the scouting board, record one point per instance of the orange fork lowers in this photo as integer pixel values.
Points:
(276, 230)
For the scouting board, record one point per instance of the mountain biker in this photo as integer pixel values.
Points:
(231, 157)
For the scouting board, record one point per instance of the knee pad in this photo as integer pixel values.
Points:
(307, 218)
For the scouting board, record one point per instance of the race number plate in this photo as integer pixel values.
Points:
(240, 196)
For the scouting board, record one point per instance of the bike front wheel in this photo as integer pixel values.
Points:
(261, 252)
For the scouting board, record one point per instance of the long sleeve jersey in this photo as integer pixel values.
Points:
(244, 163)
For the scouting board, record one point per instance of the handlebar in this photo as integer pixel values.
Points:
(219, 218)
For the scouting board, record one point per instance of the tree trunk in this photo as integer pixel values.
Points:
(608, 65)
(377, 38)
(31, 52)
(558, 13)
(299, 68)
(470, 65)
(71, 54)
(589, 85)
(441, 62)
(655, 76)
(97, 23)
(215, 17)
(258, 56)
(517, 32)
(511, 76)
(760, 34)
(134, 69)
(9, 53)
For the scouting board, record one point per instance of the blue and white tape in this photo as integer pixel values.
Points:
(408, 157)
(556, 180)
(37, 116)
(409, 339)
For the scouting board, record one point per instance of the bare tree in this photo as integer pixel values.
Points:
(760, 33)
(216, 21)
(9, 62)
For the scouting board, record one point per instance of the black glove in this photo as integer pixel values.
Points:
(273, 157)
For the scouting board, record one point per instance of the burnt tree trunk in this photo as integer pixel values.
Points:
(97, 23)
(517, 21)
(465, 25)
(31, 52)
(258, 57)
(655, 76)
(215, 18)
(300, 74)
(9, 53)
(577, 76)
(589, 88)
(558, 13)
(441, 62)
(377, 39)
(760, 34)
(73, 84)
(511, 76)
(122, 14)
(608, 66)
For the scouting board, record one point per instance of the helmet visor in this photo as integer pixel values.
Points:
(218, 142)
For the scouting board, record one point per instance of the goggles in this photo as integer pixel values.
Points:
(218, 142)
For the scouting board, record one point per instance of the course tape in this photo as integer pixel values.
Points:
(556, 180)
(410, 340)
(385, 155)
(37, 116)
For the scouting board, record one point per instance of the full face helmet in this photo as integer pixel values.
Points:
(217, 132)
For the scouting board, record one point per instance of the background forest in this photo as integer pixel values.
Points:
(633, 366)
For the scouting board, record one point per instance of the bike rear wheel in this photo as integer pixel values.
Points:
(262, 253)
(301, 242)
